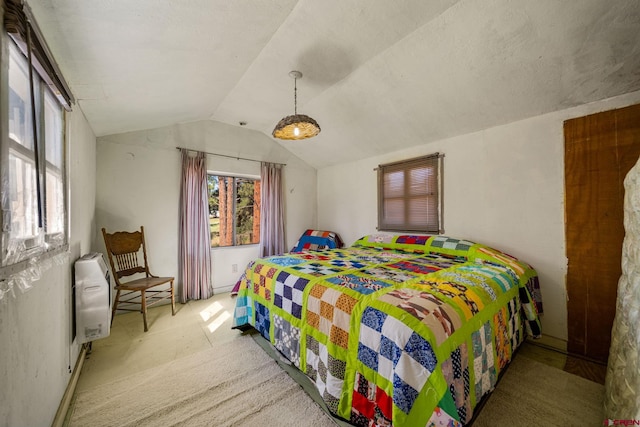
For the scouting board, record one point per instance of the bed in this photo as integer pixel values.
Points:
(400, 330)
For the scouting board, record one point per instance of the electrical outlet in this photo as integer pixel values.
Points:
(234, 268)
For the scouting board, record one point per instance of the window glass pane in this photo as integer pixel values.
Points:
(54, 152)
(226, 198)
(53, 130)
(22, 195)
(20, 124)
(214, 209)
(246, 226)
(234, 210)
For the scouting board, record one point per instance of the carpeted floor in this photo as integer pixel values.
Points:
(238, 384)
(533, 394)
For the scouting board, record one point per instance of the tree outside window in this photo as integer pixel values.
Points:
(234, 210)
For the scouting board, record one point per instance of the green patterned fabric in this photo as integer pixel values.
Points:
(395, 330)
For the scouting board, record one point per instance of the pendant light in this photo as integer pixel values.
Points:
(297, 126)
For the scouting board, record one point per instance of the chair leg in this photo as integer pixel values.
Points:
(143, 301)
(115, 306)
(173, 301)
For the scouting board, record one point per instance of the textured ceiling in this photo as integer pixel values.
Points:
(379, 75)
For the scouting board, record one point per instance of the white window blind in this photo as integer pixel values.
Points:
(409, 195)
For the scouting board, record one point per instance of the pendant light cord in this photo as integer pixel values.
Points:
(295, 96)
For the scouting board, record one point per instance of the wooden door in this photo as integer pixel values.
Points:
(600, 149)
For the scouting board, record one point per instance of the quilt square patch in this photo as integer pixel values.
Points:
(515, 324)
(417, 268)
(392, 275)
(465, 298)
(471, 277)
(326, 372)
(456, 373)
(363, 284)
(263, 321)
(243, 313)
(440, 418)
(412, 240)
(264, 283)
(371, 405)
(518, 266)
(345, 264)
(373, 258)
(397, 353)
(441, 318)
(440, 261)
(286, 260)
(329, 311)
(288, 293)
(503, 343)
(314, 256)
(449, 243)
(316, 269)
(483, 362)
(286, 339)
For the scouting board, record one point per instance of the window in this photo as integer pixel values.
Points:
(409, 195)
(33, 169)
(234, 210)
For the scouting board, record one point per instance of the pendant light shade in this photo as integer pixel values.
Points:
(297, 126)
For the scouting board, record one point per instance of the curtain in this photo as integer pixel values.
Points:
(272, 240)
(194, 239)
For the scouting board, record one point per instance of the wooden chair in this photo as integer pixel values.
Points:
(124, 250)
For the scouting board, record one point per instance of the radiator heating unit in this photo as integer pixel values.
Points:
(93, 298)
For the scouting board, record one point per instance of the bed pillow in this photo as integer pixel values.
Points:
(419, 243)
(404, 242)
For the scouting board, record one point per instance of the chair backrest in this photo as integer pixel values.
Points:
(123, 249)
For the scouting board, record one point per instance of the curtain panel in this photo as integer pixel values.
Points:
(194, 239)
(272, 239)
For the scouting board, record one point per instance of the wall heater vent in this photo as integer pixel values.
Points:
(93, 298)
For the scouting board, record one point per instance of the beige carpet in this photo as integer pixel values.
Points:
(534, 394)
(238, 384)
(235, 385)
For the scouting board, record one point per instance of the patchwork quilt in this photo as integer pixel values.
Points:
(315, 240)
(395, 330)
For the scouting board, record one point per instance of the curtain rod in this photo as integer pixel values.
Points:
(230, 157)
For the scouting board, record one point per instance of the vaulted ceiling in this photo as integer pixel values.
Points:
(379, 75)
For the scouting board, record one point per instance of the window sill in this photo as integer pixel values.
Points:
(251, 245)
(9, 270)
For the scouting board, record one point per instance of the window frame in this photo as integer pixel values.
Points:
(434, 212)
(235, 177)
(17, 251)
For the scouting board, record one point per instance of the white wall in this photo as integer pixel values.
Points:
(504, 187)
(36, 352)
(138, 178)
